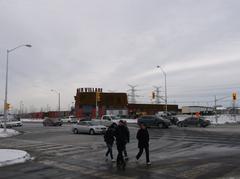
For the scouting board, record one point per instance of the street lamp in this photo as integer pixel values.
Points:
(6, 86)
(165, 80)
(59, 108)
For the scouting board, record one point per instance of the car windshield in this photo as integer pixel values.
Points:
(115, 117)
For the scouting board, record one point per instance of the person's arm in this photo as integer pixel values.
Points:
(138, 134)
(147, 135)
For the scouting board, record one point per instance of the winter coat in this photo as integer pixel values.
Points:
(143, 138)
(109, 136)
(122, 135)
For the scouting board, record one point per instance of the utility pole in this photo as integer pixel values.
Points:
(59, 102)
(215, 108)
(165, 82)
(158, 97)
(132, 93)
(215, 105)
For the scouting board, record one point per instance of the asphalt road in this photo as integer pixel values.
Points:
(175, 153)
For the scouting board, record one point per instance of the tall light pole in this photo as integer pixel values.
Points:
(165, 81)
(6, 86)
(59, 104)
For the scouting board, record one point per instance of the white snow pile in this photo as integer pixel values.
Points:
(8, 133)
(10, 157)
(221, 119)
(224, 119)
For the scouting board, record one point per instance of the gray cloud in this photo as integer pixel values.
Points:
(110, 44)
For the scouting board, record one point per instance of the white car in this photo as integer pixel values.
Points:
(89, 127)
(70, 119)
(12, 123)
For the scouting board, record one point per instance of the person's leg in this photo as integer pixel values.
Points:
(119, 156)
(147, 154)
(110, 151)
(125, 152)
(139, 153)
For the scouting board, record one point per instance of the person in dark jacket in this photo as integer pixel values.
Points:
(128, 140)
(109, 139)
(143, 143)
(121, 135)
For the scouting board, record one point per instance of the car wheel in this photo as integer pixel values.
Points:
(91, 132)
(75, 131)
(160, 125)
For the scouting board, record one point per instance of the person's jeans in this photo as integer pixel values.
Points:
(125, 151)
(120, 148)
(109, 151)
(141, 151)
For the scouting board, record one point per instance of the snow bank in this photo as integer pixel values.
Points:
(8, 133)
(32, 120)
(221, 119)
(10, 157)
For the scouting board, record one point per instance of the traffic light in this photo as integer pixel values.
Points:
(234, 96)
(98, 98)
(7, 106)
(153, 95)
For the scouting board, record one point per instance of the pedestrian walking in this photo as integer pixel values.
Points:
(109, 139)
(121, 134)
(128, 140)
(143, 143)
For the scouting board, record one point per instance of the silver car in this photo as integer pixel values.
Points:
(89, 127)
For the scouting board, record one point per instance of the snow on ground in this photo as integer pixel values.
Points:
(10, 157)
(32, 120)
(8, 133)
(221, 119)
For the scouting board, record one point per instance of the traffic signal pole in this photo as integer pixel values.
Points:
(96, 106)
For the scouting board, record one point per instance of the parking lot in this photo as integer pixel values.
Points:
(175, 153)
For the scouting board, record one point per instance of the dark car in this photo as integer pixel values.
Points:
(52, 122)
(154, 121)
(173, 119)
(194, 122)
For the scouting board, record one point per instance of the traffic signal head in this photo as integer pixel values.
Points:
(234, 96)
(153, 95)
(98, 98)
(7, 106)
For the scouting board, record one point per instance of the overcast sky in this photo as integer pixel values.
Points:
(110, 44)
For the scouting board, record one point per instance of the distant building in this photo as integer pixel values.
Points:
(149, 109)
(197, 109)
(109, 103)
(112, 103)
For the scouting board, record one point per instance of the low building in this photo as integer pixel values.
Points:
(86, 101)
(112, 103)
(149, 109)
(197, 109)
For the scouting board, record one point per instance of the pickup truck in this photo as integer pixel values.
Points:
(70, 119)
(110, 118)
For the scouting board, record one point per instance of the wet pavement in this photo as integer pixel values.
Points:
(175, 153)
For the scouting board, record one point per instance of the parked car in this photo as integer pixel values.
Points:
(152, 120)
(52, 122)
(12, 123)
(173, 119)
(70, 119)
(89, 127)
(102, 122)
(194, 122)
